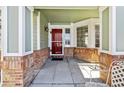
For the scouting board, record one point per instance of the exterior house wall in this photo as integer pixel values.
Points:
(43, 33)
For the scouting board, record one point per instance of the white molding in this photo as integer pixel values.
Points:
(59, 26)
(38, 31)
(4, 30)
(49, 36)
(113, 30)
(3, 37)
(107, 52)
(66, 7)
(71, 35)
(100, 30)
(31, 10)
(101, 9)
(91, 22)
(21, 30)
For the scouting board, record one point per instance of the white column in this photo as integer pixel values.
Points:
(91, 35)
(38, 31)
(72, 37)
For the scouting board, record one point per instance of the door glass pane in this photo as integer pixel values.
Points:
(56, 47)
(57, 35)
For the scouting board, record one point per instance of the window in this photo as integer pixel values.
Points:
(67, 30)
(119, 28)
(0, 28)
(97, 42)
(67, 42)
(82, 36)
(27, 30)
(67, 36)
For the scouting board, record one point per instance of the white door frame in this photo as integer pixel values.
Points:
(63, 33)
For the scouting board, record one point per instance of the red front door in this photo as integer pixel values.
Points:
(56, 41)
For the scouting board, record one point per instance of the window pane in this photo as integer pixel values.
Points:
(67, 31)
(82, 36)
(120, 28)
(97, 36)
(12, 29)
(67, 36)
(27, 30)
(105, 29)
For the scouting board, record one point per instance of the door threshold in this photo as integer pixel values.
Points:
(56, 58)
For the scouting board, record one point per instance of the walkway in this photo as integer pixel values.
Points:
(64, 73)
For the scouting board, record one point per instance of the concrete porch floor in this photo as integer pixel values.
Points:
(64, 73)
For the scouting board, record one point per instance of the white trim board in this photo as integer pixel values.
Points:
(66, 7)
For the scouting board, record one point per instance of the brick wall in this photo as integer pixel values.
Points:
(87, 54)
(68, 51)
(40, 57)
(105, 59)
(20, 71)
(12, 71)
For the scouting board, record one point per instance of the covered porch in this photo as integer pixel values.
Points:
(32, 36)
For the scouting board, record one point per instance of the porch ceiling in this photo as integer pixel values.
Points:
(68, 14)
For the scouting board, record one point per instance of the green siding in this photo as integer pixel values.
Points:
(120, 28)
(12, 29)
(43, 33)
(105, 30)
(27, 30)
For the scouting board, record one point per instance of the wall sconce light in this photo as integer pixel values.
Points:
(46, 28)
